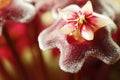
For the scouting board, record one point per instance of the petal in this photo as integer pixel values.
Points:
(20, 10)
(67, 14)
(104, 47)
(87, 32)
(99, 20)
(30, 1)
(68, 28)
(48, 36)
(87, 8)
(72, 57)
(72, 8)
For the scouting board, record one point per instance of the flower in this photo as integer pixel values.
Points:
(83, 20)
(15, 10)
(74, 52)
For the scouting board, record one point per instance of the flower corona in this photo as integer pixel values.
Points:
(84, 20)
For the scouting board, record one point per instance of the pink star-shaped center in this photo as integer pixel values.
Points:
(83, 21)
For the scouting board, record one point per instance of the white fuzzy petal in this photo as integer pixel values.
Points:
(87, 8)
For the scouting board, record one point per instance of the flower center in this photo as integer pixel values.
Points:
(4, 3)
(81, 19)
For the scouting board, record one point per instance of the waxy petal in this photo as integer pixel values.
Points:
(72, 8)
(25, 11)
(87, 32)
(67, 14)
(99, 20)
(105, 47)
(73, 57)
(30, 1)
(18, 10)
(53, 30)
(87, 8)
(68, 28)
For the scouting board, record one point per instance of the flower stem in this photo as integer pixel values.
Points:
(14, 51)
(3, 72)
(34, 26)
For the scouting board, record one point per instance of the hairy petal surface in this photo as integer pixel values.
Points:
(18, 10)
(73, 52)
(87, 8)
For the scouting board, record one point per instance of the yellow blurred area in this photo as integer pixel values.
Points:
(47, 18)
(117, 1)
(49, 60)
(52, 65)
(27, 56)
(1, 28)
(9, 68)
